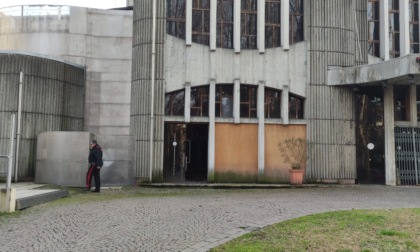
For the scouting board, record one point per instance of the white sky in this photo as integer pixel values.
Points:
(99, 4)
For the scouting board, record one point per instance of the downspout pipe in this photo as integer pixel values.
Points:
(19, 120)
(12, 141)
(152, 89)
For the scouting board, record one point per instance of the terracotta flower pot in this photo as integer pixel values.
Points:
(296, 176)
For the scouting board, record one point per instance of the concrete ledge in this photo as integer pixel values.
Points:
(25, 202)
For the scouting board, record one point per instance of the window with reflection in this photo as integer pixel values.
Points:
(174, 103)
(248, 24)
(296, 21)
(402, 103)
(200, 101)
(224, 35)
(272, 103)
(224, 100)
(295, 107)
(272, 23)
(373, 27)
(175, 18)
(418, 102)
(414, 26)
(201, 21)
(394, 29)
(248, 101)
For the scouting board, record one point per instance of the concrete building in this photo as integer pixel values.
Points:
(206, 75)
(52, 100)
(99, 40)
(216, 85)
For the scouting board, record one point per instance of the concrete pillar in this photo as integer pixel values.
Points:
(285, 24)
(236, 101)
(187, 107)
(188, 22)
(212, 132)
(261, 26)
(390, 175)
(213, 24)
(7, 200)
(285, 105)
(413, 105)
(384, 29)
(237, 26)
(261, 130)
(404, 28)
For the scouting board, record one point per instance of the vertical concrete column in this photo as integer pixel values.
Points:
(384, 29)
(404, 28)
(390, 176)
(261, 130)
(413, 105)
(188, 22)
(187, 107)
(285, 24)
(213, 24)
(7, 200)
(285, 104)
(418, 10)
(237, 26)
(236, 101)
(212, 131)
(261, 26)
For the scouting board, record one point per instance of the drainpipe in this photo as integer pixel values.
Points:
(19, 119)
(152, 88)
(10, 164)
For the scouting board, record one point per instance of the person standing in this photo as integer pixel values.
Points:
(95, 164)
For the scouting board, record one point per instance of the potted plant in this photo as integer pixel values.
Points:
(293, 151)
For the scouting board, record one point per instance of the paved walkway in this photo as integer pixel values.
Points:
(183, 223)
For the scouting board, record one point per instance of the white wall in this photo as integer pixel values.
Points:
(197, 64)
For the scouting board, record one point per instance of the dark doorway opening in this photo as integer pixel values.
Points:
(370, 138)
(185, 152)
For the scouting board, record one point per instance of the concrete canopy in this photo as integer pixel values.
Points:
(402, 70)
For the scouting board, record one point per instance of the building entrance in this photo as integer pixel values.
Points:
(370, 136)
(185, 152)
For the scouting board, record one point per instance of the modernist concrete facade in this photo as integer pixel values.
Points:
(216, 85)
(99, 40)
(52, 100)
(344, 68)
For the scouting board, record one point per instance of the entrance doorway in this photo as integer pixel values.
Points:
(185, 152)
(370, 136)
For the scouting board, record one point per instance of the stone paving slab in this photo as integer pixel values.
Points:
(183, 222)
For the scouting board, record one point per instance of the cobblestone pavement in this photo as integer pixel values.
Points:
(184, 222)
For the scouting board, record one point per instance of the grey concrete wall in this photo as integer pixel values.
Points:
(196, 64)
(331, 118)
(53, 94)
(62, 159)
(101, 40)
(140, 92)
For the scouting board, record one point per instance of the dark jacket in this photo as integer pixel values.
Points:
(95, 156)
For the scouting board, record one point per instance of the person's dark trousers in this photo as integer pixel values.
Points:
(93, 172)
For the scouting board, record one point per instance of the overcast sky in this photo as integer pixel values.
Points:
(100, 4)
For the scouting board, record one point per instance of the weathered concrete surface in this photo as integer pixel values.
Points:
(183, 223)
(100, 40)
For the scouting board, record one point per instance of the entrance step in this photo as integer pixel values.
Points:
(28, 198)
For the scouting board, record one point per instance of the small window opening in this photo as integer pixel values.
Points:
(174, 103)
(224, 100)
